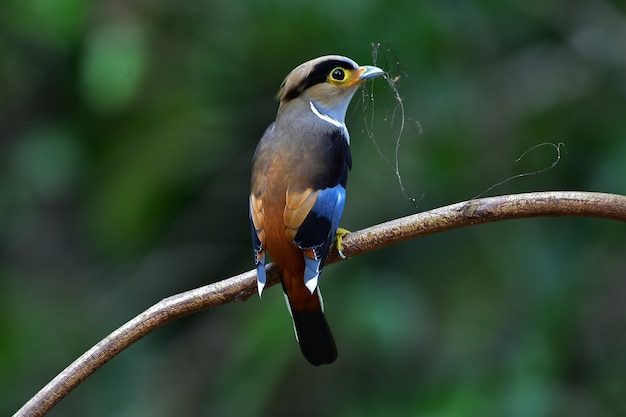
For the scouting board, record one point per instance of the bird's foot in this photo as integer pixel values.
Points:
(339, 235)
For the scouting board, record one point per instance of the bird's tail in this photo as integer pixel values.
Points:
(307, 311)
(314, 336)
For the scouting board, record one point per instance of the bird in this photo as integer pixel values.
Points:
(298, 189)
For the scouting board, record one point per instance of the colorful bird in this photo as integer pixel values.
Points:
(299, 174)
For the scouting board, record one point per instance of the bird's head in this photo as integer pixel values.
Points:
(329, 82)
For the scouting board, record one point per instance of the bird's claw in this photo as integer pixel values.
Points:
(339, 235)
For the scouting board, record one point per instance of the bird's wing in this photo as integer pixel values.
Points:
(257, 225)
(311, 219)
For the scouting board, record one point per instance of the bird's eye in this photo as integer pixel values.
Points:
(338, 74)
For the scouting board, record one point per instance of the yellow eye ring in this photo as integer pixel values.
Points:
(338, 75)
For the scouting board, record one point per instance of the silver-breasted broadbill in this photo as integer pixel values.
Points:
(298, 189)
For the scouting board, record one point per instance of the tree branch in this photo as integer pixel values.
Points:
(241, 287)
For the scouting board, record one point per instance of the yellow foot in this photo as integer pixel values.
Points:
(339, 234)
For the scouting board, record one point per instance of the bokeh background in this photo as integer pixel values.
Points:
(126, 134)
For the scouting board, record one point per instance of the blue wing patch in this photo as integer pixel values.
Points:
(318, 229)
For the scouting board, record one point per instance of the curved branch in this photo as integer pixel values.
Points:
(486, 210)
(241, 287)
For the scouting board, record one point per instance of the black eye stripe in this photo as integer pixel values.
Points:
(318, 75)
(321, 71)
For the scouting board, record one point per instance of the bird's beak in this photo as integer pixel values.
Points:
(367, 72)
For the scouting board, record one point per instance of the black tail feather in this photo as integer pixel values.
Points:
(314, 336)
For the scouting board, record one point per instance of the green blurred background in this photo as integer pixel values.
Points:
(126, 134)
